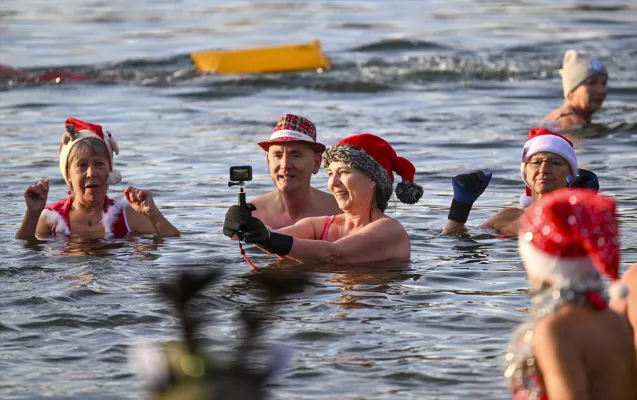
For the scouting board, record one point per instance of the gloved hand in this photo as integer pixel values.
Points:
(466, 190)
(255, 231)
(236, 217)
(584, 179)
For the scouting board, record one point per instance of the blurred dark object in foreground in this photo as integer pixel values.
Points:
(182, 370)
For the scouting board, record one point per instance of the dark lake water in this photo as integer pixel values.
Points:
(453, 85)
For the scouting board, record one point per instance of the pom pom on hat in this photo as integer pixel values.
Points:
(377, 159)
(577, 67)
(618, 290)
(79, 130)
(570, 234)
(543, 140)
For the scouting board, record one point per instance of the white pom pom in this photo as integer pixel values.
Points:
(114, 177)
(525, 200)
(618, 290)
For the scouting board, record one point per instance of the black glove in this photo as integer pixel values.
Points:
(585, 179)
(236, 217)
(254, 231)
(466, 190)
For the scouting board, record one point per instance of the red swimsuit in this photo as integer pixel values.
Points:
(57, 216)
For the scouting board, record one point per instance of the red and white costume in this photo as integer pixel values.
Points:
(57, 216)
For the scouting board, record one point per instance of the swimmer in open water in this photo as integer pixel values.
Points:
(86, 163)
(584, 83)
(548, 163)
(360, 175)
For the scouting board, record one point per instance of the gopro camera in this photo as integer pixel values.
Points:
(241, 173)
(238, 176)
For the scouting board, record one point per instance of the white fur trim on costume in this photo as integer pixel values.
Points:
(555, 268)
(56, 222)
(114, 177)
(525, 200)
(112, 215)
(288, 133)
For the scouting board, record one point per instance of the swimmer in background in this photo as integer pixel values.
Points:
(86, 163)
(548, 163)
(584, 80)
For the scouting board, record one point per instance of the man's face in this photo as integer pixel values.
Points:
(591, 94)
(546, 172)
(292, 164)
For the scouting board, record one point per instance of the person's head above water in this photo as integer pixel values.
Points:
(87, 145)
(293, 154)
(584, 79)
(570, 237)
(375, 158)
(548, 158)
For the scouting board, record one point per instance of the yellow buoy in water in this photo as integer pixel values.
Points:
(286, 58)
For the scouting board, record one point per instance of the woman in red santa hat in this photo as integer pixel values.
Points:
(86, 163)
(548, 163)
(360, 170)
(573, 346)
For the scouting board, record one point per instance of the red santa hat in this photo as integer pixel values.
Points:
(543, 140)
(378, 160)
(80, 130)
(571, 234)
(293, 128)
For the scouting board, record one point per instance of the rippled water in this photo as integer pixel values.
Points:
(454, 85)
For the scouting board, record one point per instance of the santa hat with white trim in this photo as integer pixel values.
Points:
(571, 234)
(543, 140)
(80, 130)
(293, 128)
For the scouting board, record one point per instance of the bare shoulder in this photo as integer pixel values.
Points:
(263, 200)
(559, 327)
(387, 226)
(505, 220)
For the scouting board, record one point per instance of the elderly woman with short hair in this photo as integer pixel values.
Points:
(86, 163)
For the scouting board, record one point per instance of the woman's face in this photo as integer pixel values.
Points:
(351, 188)
(546, 172)
(87, 175)
(590, 95)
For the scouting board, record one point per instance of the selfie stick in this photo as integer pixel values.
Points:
(241, 192)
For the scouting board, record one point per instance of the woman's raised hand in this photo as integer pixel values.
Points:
(36, 195)
(140, 200)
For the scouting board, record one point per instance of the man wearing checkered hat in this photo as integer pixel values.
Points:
(293, 156)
